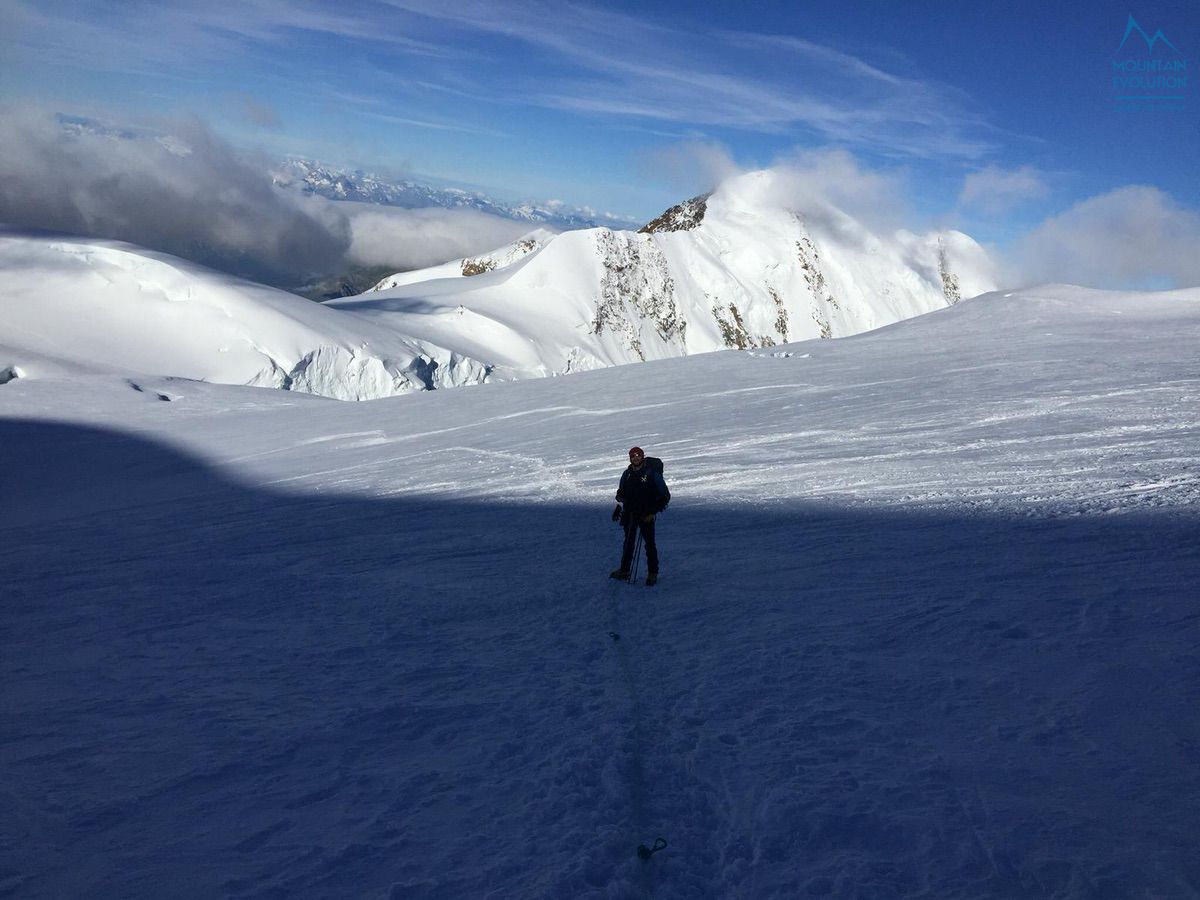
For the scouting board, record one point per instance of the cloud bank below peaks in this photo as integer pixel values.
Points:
(195, 196)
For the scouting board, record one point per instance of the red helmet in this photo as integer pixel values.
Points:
(636, 451)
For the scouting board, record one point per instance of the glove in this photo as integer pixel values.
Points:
(648, 519)
(616, 517)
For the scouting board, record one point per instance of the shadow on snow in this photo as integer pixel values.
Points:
(214, 690)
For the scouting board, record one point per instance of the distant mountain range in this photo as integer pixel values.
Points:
(339, 183)
(343, 184)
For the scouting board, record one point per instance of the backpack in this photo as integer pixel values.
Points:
(655, 465)
(653, 462)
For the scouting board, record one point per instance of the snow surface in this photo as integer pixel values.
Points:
(753, 273)
(76, 304)
(927, 625)
(756, 271)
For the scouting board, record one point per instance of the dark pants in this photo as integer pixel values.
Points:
(647, 529)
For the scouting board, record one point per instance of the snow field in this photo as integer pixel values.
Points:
(104, 306)
(926, 626)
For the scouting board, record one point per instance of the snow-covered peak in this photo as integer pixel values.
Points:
(744, 267)
(741, 269)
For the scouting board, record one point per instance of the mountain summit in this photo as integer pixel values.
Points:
(683, 217)
(735, 269)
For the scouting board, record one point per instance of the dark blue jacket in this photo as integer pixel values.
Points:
(643, 491)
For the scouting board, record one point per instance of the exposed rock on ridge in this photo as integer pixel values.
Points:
(739, 268)
(682, 217)
(636, 287)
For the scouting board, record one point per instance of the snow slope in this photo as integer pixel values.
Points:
(927, 625)
(741, 268)
(103, 305)
(737, 269)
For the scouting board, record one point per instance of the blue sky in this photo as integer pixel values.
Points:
(993, 117)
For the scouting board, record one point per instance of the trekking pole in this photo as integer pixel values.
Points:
(637, 554)
(625, 532)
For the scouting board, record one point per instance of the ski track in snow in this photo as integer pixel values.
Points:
(911, 640)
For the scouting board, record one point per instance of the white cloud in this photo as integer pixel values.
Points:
(1135, 236)
(689, 167)
(195, 196)
(996, 190)
(415, 238)
(834, 180)
(820, 183)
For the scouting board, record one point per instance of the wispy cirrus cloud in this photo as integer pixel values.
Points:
(571, 57)
(124, 34)
(435, 126)
(623, 66)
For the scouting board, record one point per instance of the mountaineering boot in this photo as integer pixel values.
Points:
(652, 579)
(622, 574)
